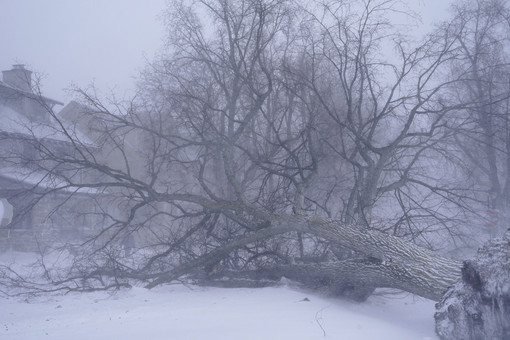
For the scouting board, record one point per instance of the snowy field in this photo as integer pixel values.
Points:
(192, 313)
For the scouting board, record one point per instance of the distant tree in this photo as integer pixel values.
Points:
(481, 128)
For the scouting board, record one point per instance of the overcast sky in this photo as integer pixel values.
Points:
(102, 41)
(80, 41)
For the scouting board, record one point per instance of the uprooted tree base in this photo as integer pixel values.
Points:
(478, 306)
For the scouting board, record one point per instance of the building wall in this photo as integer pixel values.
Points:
(50, 223)
(39, 226)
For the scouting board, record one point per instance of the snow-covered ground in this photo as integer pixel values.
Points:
(192, 313)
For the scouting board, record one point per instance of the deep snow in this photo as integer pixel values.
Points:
(188, 312)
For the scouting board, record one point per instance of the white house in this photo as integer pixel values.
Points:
(31, 213)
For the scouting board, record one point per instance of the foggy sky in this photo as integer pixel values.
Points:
(102, 41)
(80, 41)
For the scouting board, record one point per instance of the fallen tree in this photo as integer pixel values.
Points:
(256, 146)
(253, 148)
(390, 261)
(385, 261)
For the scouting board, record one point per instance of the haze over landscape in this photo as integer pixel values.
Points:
(102, 42)
(255, 169)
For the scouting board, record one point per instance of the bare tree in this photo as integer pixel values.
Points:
(269, 135)
(381, 116)
(481, 129)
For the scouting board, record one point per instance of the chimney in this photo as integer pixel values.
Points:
(19, 77)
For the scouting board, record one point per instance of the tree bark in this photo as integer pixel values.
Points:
(355, 279)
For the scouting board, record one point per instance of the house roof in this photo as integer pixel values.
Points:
(20, 122)
(30, 95)
(42, 180)
(14, 122)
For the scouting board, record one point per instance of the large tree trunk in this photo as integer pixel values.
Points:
(355, 279)
(391, 261)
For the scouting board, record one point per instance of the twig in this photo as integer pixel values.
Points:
(319, 320)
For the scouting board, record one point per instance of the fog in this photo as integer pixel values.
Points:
(80, 42)
(72, 42)
(322, 149)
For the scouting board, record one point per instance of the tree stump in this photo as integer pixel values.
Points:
(478, 306)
